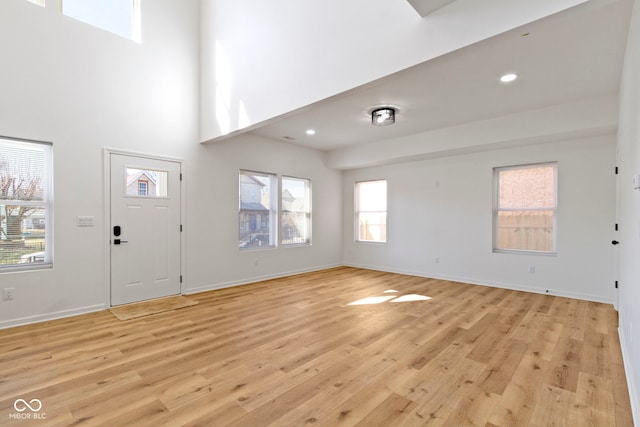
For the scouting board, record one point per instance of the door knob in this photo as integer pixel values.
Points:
(614, 242)
(118, 241)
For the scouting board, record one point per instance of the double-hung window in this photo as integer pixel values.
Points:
(525, 205)
(261, 214)
(371, 211)
(26, 204)
(257, 211)
(295, 214)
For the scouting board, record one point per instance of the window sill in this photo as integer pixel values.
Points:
(524, 252)
(296, 245)
(17, 268)
(257, 248)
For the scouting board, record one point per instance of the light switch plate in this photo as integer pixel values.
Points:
(86, 221)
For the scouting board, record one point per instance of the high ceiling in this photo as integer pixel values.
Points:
(569, 56)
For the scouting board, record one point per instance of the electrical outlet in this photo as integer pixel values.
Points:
(437, 260)
(7, 294)
(532, 269)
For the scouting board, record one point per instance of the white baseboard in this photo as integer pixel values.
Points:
(214, 286)
(50, 316)
(634, 393)
(472, 281)
(99, 307)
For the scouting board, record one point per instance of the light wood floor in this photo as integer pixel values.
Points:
(292, 352)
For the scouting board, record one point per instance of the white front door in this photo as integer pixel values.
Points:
(145, 228)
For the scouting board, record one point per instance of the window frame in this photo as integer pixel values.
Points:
(308, 212)
(47, 204)
(358, 211)
(497, 209)
(273, 209)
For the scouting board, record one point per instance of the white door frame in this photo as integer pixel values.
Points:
(616, 235)
(106, 229)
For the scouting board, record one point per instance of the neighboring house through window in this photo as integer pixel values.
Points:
(257, 210)
(525, 208)
(146, 183)
(26, 204)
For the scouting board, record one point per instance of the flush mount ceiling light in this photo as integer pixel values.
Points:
(384, 116)
(310, 132)
(508, 78)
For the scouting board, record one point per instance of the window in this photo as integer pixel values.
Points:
(121, 17)
(146, 182)
(26, 204)
(295, 216)
(142, 188)
(371, 211)
(525, 208)
(257, 210)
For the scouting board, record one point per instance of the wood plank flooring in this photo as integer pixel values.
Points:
(294, 352)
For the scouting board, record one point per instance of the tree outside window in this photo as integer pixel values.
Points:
(25, 202)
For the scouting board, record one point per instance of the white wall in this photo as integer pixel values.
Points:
(442, 208)
(264, 59)
(84, 89)
(213, 257)
(629, 161)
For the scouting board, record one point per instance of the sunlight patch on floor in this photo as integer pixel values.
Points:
(392, 298)
(411, 297)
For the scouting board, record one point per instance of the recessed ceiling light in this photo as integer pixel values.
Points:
(311, 132)
(507, 78)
